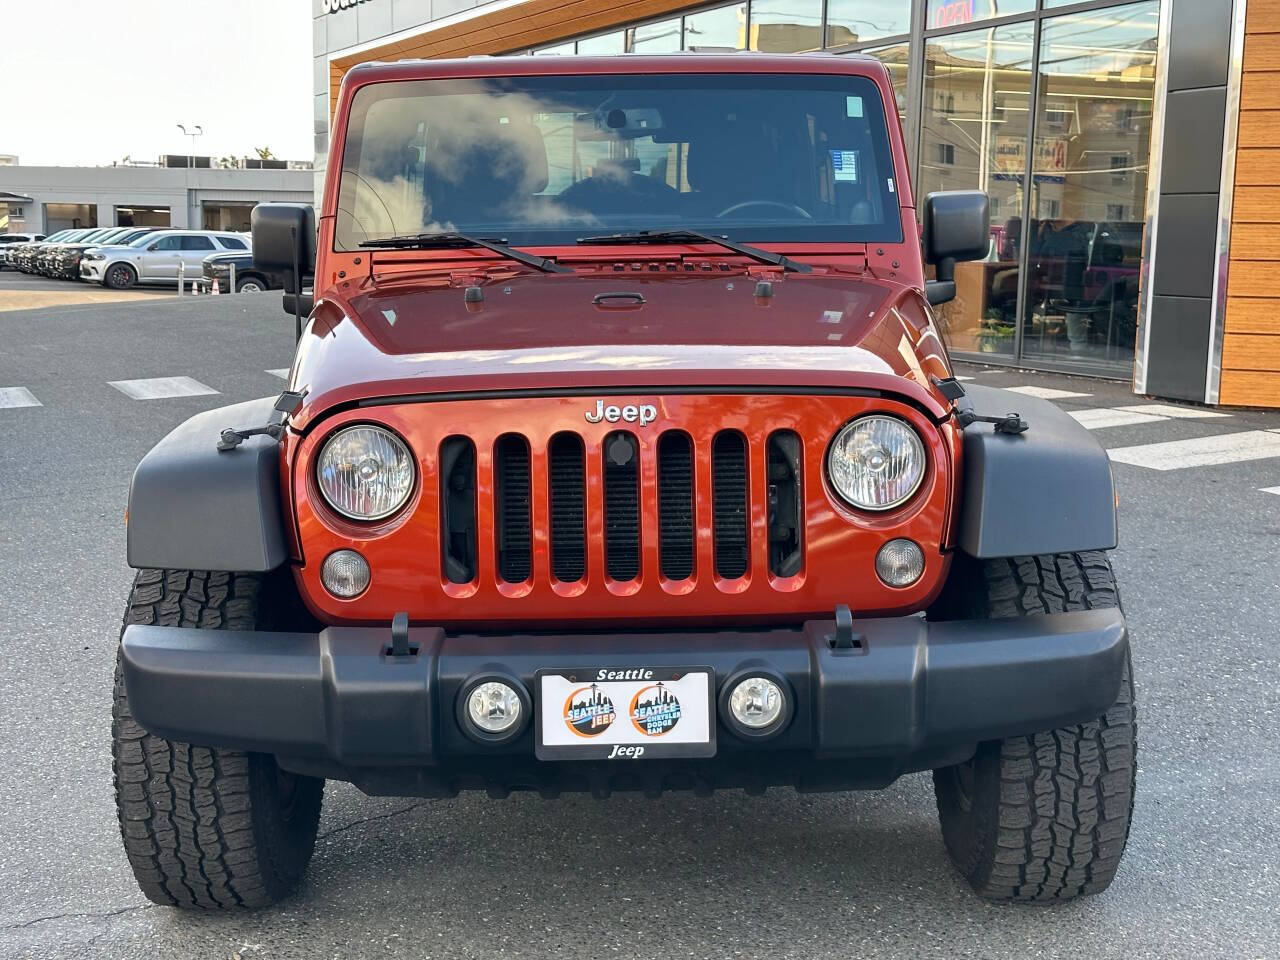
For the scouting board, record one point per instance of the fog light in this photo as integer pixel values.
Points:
(345, 573)
(757, 703)
(494, 707)
(900, 563)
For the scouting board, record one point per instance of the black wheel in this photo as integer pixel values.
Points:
(1042, 817)
(119, 276)
(206, 827)
(250, 285)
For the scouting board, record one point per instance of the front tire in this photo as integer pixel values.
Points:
(1043, 817)
(202, 826)
(119, 276)
(250, 285)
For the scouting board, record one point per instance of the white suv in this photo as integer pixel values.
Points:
(157, 258)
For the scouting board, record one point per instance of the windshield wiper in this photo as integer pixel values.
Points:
(427, 241)
(675, 236)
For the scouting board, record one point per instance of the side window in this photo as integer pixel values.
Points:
(169, 243)
(232, 243)
(197, 243)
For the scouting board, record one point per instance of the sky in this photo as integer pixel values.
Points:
(92, 81)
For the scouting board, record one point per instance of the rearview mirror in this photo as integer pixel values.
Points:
(956, 227)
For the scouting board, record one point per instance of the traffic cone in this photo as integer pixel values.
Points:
(215, 291)
(195, 290)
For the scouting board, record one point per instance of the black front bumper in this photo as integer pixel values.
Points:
(910, 696)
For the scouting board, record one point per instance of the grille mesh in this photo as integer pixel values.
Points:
(514, 526)
(675, 505)
(729, 504)
(621, 506)
(567, 486)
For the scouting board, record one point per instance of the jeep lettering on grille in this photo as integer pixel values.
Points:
(643, 414)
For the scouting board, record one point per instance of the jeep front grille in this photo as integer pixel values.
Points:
(632, 475)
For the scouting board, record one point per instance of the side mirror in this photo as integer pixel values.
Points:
(957, 226)
(284, 247)
(153, 247)
(284, 240)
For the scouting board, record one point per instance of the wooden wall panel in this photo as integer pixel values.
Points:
(1251, 320)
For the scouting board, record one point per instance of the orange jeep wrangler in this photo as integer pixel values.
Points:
(621, 451)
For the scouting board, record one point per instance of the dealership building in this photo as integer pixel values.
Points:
(176, 192)
(1131, 151)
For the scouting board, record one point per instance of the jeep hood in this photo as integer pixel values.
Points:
(616, 332)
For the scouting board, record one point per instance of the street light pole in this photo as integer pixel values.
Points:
(195, 131)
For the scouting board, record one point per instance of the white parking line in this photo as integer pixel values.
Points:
(1275, 490)
(282, 373)
(963, 379)
(1046, 393)
(1102, 417)
(17, 397)
(1202, 451)
(162, 388)
(1170, 410)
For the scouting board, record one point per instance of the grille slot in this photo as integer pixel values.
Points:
(729, 508)
(458, 509)
(675, 505)
(786, 537)
(513, 526)
(621, 506)
(566, 467)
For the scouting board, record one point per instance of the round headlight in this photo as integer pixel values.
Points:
(365, 472)
(876, 462)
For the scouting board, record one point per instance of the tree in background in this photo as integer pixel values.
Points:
(264, 153)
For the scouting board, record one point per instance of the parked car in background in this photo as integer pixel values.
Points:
(28, 254)
(159, 258)
(219, 266)
(49, 251)
(10, 241)
(65, 259)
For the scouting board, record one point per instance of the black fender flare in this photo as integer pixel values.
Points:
(1048, 490)
(194, 507)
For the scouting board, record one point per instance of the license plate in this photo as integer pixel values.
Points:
(633, 713)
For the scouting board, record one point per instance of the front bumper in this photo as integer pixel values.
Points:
(912, 695)
(92, 270)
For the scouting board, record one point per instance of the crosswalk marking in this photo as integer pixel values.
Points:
(17, 397)
(162, 388)
(1275, 490)
(1180, 413)
(1202, 451)
(1046, 393)
(282, 373)
(1099, 418)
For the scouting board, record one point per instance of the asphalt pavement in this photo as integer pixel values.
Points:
(779, 876)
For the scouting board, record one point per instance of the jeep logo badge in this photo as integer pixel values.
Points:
(643, 414)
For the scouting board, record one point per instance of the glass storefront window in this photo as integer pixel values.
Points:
(603, 45)
(953, 13)
(977, 97)
(660, 37)
(1089, 185)
(724, 28)
(856, 21)
(786, 26)
(896, 57)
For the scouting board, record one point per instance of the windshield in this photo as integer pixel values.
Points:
(143, 240)
(543, 160)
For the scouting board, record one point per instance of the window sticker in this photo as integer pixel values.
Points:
(853, 106)
(844, 163)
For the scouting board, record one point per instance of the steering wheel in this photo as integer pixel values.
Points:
(789, 207)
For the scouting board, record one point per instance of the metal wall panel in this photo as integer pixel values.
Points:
(1179, 341)
(1199, 44)
(1193, 140)
(1189, 224)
